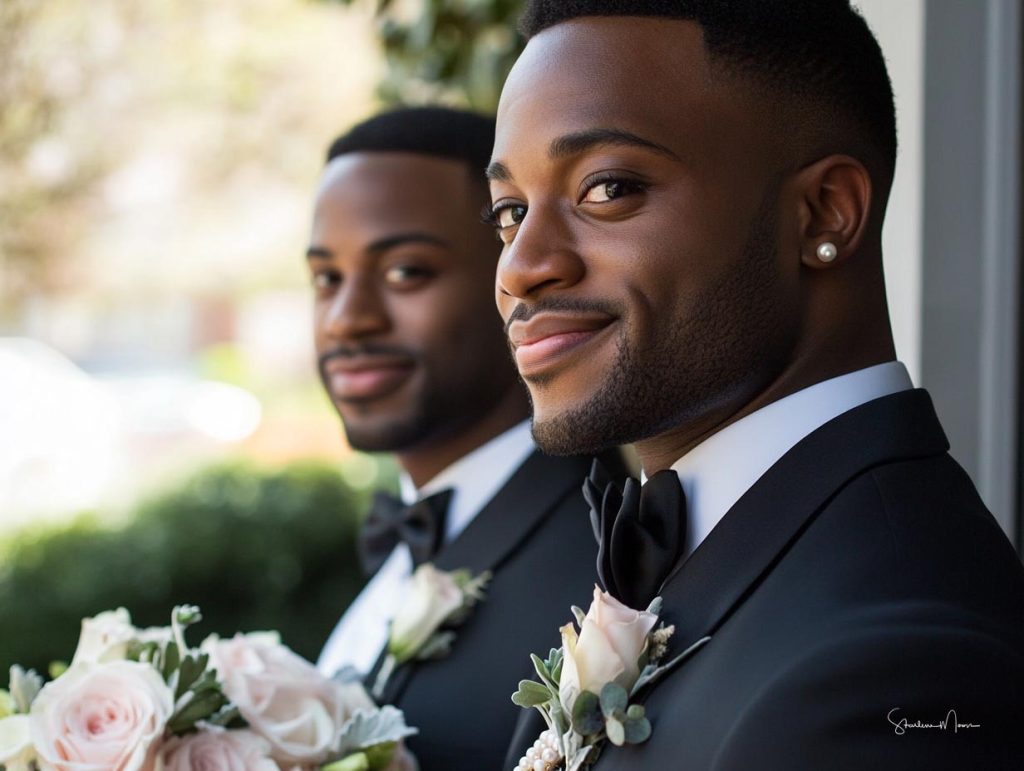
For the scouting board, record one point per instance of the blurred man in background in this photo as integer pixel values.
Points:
(412, 354)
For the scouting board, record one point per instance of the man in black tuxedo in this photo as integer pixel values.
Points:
(412, 354)
(691, 198)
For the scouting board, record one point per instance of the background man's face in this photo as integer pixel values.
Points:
(641, 271)
(409, 346)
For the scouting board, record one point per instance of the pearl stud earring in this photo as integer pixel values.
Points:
(827, 252)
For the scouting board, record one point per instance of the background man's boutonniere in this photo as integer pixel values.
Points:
(586, 685)
(422, 627)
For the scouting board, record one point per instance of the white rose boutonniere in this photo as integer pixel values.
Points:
(586, 685)
(421, 629)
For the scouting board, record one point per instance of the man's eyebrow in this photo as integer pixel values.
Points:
(578, 142)
(498, 172)
(573, 144)
(384, 244)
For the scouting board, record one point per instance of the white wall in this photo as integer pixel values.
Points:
(899, 27)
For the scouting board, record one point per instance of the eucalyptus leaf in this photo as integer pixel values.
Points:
(368, 729)
(635, 711)
(616, 731)
(586, 714)
(613, 699)
(638, 730)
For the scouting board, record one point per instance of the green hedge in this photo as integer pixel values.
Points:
(255, 550)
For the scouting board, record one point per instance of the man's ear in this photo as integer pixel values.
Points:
(835, 206)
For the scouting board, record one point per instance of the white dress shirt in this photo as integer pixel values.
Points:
(474, 479)
(717, 472)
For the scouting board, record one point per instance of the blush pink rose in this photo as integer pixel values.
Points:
(219, 751)
(101, 717)
(607, 649)
(284, 698)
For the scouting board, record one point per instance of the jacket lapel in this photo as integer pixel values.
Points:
(751, 538)
(508, 519)
(515, 512)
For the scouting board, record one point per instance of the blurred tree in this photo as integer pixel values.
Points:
(165, 147)
(449, 51)
(44, 169)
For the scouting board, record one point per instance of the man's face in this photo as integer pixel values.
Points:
(647, 282)
(409, 346)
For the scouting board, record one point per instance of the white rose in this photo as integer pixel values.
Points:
(219, 751)
(433, 598)
(105, 637)
(16, 751)
(284, 698)
(607, 649)
(101, 716)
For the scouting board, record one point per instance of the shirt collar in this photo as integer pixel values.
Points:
(475, 478)
(718, 471)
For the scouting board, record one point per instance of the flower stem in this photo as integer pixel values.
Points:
(386, 669)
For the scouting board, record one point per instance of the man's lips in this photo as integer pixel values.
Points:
(546, 338)
(365, 378)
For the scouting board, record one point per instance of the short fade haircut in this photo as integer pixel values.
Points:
(820, 51)
(443, 132)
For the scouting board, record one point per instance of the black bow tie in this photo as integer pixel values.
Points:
(641, 532)
(390, 522)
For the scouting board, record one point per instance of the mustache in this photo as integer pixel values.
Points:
(524, 312)
(363, 349)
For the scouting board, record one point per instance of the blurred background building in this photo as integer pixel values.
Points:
(158, 397)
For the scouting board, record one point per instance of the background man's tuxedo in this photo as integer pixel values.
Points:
(535, 537)
(858, 583)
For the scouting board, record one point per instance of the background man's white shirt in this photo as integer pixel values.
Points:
(717, 472)
(474, 479)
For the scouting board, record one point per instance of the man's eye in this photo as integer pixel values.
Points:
(610, 189)
(325, 280)
(505, 216)
(405, 274)
(511, 215)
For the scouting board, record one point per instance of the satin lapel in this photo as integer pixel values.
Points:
(515, 512)
(753, 535)
(518, 509)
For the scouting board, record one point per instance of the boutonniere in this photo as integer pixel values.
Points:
(586, 686)
(423, 626)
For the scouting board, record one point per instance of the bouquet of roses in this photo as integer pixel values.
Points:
(142, 700)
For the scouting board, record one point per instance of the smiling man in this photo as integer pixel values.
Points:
(412, 354)
(691, 197)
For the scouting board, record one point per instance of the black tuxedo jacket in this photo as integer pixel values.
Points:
(535, 537)
(860, 583)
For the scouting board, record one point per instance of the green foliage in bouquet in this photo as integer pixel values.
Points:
(256, 550)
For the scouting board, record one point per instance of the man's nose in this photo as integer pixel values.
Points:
(357, 311)
(541, 257)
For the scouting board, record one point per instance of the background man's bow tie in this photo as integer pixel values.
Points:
(641, 532)
(390, 522)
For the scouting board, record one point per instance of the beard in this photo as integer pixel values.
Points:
(704, 362)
